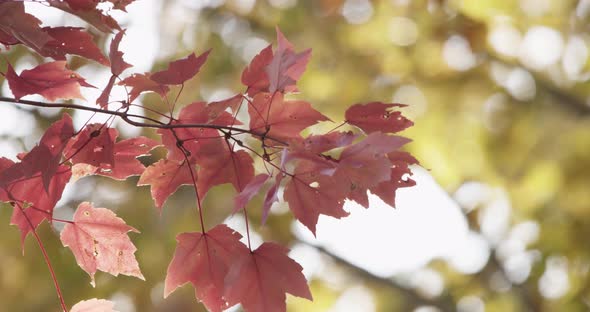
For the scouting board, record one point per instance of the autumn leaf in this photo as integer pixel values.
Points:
(94, 145)
(51, 80)
(92, 16)
(99, 241)
(118, 65)
(399, 177)
(228, 166)
(271, 115)
(45, 157)
(377, 116)
(181, 70)
(204, 259)
(165, 176)
(94, 305)
(140, 83)
(278, 71)
(249, 191)
(32, 201)
(71, 40)
(19, 26)
(310, 194)
(259, 279)
(125, 163)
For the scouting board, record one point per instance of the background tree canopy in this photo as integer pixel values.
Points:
(498, 91)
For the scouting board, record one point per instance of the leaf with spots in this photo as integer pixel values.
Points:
(99, 241)
(377, 116)
(164, 177)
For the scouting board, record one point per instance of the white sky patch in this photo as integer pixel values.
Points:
(457, 53)
(357, 11)
(505, 39)
(426, 224)
(541, 47)
(355, 299)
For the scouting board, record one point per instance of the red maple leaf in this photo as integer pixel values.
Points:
(125, 162)
(94, 305)
(92, 16)
(249, 191)
(118, 65)
(399, 177)
(94, 145)
(99, 241)
(365, 164)
(377, 116)
(165, 177)
(204, 260)
(181, 70)
(32, 201)
(310, 194)
(19, 26)
(140, 83)
(51, 80)
(71, 40)
(275, 117)
(278, 71)
(45, 158)
(259, 279)
(226, 166)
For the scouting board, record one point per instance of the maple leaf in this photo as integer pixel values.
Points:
(249, 191)
(125, 163)
(259, 279)
(271, 115)
(386, 190)
(165, 176)
(92, 16)
(278, 71)
(99, 241)
(71, 40)
(204, 259)
(377, 116)
(94, 145)
(310, 194)
(366, 164)
(140, 83)
(286, 66)
(19, 26)
(118, 65)
(196, 140)
(51, 80)
(226, 167)
(181, 70)
(94, 305)
(44, 158)
(32, 201)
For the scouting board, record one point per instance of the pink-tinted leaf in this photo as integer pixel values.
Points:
(118, 65)
(45, 158)
(94, 305)
(399, 177)
(93, 16)
(181, 70)
(125, 160)
(366, 164)
(165, 177)
(99, 241)
(204, 260)
(218, 109)
(71, 40)
(249, 191)
(260, 279)
(254, 76)
(32, 201)
(82, 4)
(236, 168)
(310, 194)
(51, 80)
(280, 118)
(140, 83)
(17, 25)
(94, 146)
(286, 66)
(377, 116)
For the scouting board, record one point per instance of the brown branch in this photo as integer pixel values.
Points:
(125, 116)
